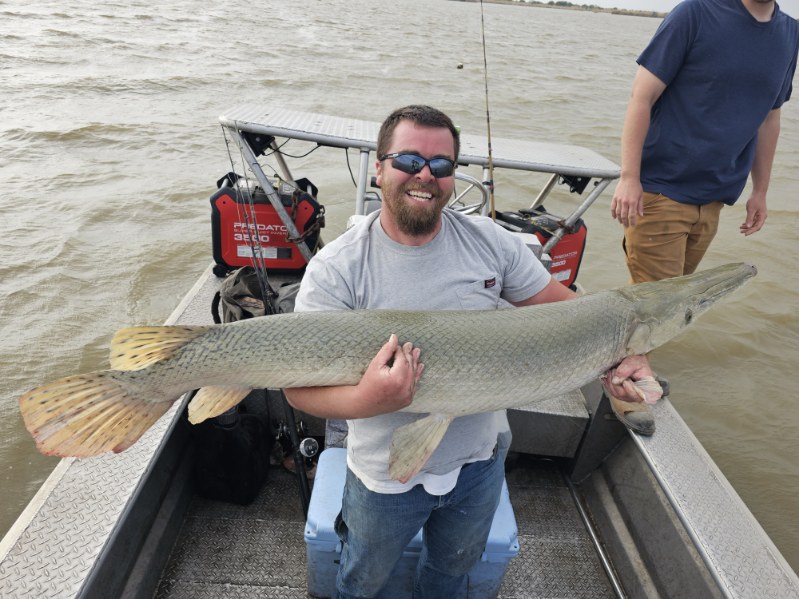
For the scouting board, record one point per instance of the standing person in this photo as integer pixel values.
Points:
(414, 254)
(704, 114)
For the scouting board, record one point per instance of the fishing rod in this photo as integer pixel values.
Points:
(490, 182)
(307, 447)
(253, 237)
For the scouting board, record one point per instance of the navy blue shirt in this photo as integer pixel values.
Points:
(724, 71)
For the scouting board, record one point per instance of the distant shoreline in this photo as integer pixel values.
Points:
(572, 6)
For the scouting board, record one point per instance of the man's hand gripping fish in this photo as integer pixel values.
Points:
(475, 361)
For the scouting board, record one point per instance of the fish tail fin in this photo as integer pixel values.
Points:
(213, 401)
(88, 414)
(414, 443)
(135, 348)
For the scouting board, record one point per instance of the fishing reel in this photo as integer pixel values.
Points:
(306, 445)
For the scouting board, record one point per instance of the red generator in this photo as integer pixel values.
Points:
(245, 225)
(567, 253)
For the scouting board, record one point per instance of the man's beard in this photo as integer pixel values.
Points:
(414, 219)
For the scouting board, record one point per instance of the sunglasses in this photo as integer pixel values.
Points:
(413, 164)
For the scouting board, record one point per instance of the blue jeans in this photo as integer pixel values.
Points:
(375, 528)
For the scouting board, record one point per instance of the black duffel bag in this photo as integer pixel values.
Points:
(232, 451)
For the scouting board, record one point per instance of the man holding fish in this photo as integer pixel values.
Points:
(413, 254)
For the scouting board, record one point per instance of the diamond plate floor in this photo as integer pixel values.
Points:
(556, 557)
(227, 551)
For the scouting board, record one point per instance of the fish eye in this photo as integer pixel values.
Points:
(689, 316)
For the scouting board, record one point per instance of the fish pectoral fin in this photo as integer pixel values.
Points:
(414, 443)
(138, 347)
(647, 388)
(209, 402)
(86, 415)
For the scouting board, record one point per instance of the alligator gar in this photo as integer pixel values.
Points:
(475, 361)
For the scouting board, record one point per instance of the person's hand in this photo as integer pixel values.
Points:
(632, 380)
(756, 214)
(628, 202)
(389, 382)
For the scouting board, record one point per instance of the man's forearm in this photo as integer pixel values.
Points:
(636, 126)
(647, 88)
(338, 403)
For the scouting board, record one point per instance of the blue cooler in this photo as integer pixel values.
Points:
(324, 548)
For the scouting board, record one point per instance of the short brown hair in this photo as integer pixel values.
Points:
(425, 116)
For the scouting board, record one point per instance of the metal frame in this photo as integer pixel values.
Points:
(361, 135)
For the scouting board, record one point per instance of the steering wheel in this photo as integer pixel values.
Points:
(458, 203)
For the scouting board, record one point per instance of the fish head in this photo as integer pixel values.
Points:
(663, 309)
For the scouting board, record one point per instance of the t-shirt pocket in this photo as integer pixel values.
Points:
(479, 295)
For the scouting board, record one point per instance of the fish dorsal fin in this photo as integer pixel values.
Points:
(210, 402)
(138, 347)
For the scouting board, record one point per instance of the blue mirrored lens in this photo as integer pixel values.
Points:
(413, 164)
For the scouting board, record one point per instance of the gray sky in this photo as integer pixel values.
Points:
(659, 5)
(789, 6)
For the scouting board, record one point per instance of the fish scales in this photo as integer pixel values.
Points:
(472, 358)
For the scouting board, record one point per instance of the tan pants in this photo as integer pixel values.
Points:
(670, 239)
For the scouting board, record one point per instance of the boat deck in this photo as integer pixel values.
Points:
(225, 550)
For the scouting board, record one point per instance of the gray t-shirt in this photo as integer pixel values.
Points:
(471, 264)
